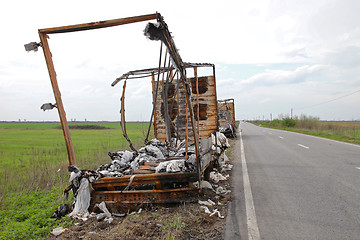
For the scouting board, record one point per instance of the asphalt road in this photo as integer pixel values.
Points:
(301, 187)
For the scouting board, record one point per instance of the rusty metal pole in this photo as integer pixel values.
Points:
(217, 115)
(57, 94)
(197, 102)
(154, 103)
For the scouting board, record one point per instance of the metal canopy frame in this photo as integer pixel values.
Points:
(177, 62)
(43, 33)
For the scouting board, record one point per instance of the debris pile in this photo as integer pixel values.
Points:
(126, 162)
(217, 186)
(219, 142)
(162, 157)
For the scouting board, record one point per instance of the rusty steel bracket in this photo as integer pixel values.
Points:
(122, 122)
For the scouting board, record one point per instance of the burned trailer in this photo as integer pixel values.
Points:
(185, 120)
(227, 124)
(171, 115)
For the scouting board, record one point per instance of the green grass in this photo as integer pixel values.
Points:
(345, 131)
(54, 125)
(33, 165)
(28, 215)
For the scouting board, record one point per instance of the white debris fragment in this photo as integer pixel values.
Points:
(206, 184)
(216, 176)
(152, 150)
(57, 231)
(105, 215)
(220, 140)
(221, 190)
(216, 212)
(74, 175)
(212, 213)
(100, 216)
(227, 167)
(203, 184)
(171, 166)
(206, 203)
(108, 220)
(103, 208)
(206, 209)
(82, 201)
(132, 213)
(127, 156)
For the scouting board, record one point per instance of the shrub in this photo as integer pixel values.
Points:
(288, 122)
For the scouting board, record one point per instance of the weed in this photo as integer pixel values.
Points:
(135, 216)
(177, 224)
(169, 237)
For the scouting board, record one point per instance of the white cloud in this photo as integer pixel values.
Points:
(321, 37)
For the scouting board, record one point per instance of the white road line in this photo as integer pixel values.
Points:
(281, 137)
(270, 132)
(303, 146)
(253, 229)
(358, 168)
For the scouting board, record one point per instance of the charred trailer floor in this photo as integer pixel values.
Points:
(121, 194)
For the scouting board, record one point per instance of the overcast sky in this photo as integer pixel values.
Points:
(270, 56)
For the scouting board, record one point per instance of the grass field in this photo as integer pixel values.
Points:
(33, 169)
(346, 131)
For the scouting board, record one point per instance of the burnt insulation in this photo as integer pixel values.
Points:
(153, 31)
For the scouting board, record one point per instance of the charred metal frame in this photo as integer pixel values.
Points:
(43, 33)
(108, 188)
(168, 41)
(151, 72)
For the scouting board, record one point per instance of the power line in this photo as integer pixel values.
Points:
(346, 95)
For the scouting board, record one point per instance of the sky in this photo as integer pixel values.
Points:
(273, 57)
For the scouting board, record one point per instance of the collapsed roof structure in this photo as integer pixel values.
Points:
(185, 119)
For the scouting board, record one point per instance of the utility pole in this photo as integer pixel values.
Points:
(291, 113)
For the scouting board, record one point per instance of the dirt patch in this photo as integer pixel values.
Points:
(85, 127)
(180, 221)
